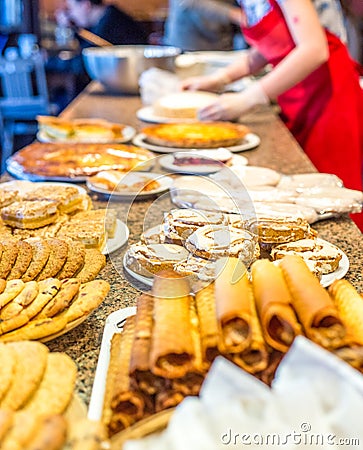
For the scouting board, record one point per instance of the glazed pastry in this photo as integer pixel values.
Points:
(183, 222)
(279, 230)
(273, 302)
(154, 258)
(325, 256)
(214, 241)
(314, 307)
(200, 268)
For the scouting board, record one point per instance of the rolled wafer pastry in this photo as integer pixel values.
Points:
(234, 300)
(274, 305)
(191, 382)
(168, 399)
(208, 325)
(124, 398)
(254, 358)
(352, 354)
(172, 351)
(350, 307)
(139, 362)
(313, 305)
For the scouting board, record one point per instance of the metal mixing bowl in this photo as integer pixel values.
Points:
(118, 67)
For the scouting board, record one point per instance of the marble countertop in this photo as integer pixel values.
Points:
(278, 150)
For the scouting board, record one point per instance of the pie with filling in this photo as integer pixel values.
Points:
(78, 159)
(196, 135)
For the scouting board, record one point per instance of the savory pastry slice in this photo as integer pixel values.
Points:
(68, 198)
(55, 127)
(7, 197)
(234, 305)
(350, 307)
(313, 305)
(274, 305)
(172, 352)
(30, 214)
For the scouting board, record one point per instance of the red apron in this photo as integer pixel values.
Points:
(324, 112)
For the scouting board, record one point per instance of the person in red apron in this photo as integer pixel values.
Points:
(314, 80)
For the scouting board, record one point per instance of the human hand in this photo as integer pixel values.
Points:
(232, 106)
(213, 83)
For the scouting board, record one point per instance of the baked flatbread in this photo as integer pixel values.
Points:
(31, 361)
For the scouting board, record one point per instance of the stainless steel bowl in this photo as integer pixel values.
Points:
(118, 67)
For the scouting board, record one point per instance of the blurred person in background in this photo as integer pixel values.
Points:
(314, 80)
(107, 21)
(202, 24)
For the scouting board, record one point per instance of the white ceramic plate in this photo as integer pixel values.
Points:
(24, 187)
(127, 134)
(166, 162)
(164, 181)
(146, 114)
(114, 324)
(250, 141)
(148, 281)
(120, 238)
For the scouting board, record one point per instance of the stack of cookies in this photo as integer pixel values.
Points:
(40, 309)
(36, 395)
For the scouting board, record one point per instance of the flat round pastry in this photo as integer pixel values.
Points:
(154, 258)
(181, 223)
(78, 159)
(196, 135)
(184, 104)
(324, 255)
(212, 242)
(280, 229)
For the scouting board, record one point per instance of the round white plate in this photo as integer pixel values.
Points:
(127, 134)
(120, 238)
(146, 114)
(250, 141)
(164, 181)
(166, 162)
(145, 280)
(24, 187)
